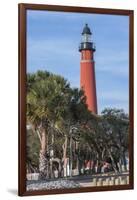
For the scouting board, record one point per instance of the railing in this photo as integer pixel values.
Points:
(33, 176)
(113, 180)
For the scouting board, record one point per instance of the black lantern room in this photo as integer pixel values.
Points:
(86, 43)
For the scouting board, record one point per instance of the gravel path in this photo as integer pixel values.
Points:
(48, 185)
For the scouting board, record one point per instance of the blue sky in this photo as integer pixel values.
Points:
(52, 44)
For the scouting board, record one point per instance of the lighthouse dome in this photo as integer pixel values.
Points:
(86, 30)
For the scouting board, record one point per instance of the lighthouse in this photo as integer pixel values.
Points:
(87, 69)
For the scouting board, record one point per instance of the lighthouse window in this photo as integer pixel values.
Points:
(86, 38)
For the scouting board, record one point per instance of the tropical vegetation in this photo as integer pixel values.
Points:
(61, 128)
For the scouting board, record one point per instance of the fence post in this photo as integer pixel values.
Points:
(127, 178)
(112, 182)
(117, 181)
(107, 181)
(94, 181)
(99, 182)
(124, 180)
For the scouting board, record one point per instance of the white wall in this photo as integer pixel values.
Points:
(9, 97)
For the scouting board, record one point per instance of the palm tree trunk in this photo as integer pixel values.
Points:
(43, 164)
(71, 158)
(77, 159)
(65, 155)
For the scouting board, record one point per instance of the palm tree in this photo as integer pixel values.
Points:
(45, 99)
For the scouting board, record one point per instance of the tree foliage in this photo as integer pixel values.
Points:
(60, 120)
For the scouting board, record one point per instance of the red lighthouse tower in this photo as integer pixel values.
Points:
(87, 71)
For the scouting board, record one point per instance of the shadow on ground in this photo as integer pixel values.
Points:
(13, 191)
